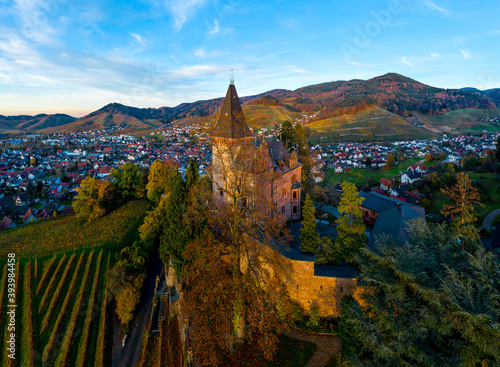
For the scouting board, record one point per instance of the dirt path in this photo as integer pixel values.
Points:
(327, 346)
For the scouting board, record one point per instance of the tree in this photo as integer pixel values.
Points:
(309, 237)
(287, 134)
(174, 234)
(158, 178)
(192, 175)
(128, 298)
(368, 162)
(464, 198)
(424, 303)
(350, 225)
(93, 198)
(233, 276)
(129, 181)
(389, 163)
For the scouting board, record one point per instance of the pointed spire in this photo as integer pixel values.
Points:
(231, 123)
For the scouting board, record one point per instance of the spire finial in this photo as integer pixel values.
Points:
(231, 77)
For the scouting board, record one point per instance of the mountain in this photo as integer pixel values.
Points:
(494, 93)
(26, 123)
(401, 100)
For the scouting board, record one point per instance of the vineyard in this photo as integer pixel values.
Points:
(63, 316)
(70, 233)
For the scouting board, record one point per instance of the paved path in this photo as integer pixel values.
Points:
(488, 220)
(326, 346)
(128, 356)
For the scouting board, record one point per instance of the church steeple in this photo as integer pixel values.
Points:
(231, 123)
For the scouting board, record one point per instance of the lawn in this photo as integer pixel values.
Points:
(359, 175)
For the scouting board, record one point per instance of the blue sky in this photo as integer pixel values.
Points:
(76, 56)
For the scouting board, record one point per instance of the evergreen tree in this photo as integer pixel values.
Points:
(424, 303)
(192, 175)
(350, 225)
(174, 237)
(309, 238)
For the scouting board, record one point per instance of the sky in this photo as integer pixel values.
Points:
(64, 56)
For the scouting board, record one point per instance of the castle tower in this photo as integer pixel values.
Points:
(229, 138)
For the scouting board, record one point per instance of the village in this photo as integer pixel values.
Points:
(39, 175)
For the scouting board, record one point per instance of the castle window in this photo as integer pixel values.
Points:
(221, 192)
(297, 287)
(295, 209)
(282, 209)
(294, 177)
(341, 289)
(284, 192)
(295, 194)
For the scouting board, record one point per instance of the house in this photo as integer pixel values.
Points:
(7, 223)
(419, 168)
(410, 177)
(22, 199)
(29, 216)
(104, 171)
(338, 168)
(385, 183)
(390, 216)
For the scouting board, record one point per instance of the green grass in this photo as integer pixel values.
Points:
(466, 120)
(359, 175)
(70, 233)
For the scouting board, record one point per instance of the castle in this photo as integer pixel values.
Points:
(264, 164)
(240, 160)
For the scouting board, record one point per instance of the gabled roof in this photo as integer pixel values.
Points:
(231, 123)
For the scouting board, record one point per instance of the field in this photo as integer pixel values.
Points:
(370, 124)
(266, 116)
(63, 315)
(359, 175)
(70, 233)
(465, 120)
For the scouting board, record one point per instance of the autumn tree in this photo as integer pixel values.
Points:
(464, 198)
(128, 298)
(424, 303)
(350, 224)
(389, 163)
(93, 198)
(129, 181)
(309, 237)
(158, 178)
(233, 275)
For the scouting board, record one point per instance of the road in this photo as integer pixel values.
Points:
(128, 356)
(488, 220)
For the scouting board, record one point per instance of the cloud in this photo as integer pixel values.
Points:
(435, 55)
(216, 28)
(352, 62)
(295, 69)
(137, 37)
(429, 4)
(196, 71)
(183, 10)
(200, 52)
(466, 54)
(405, 61)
